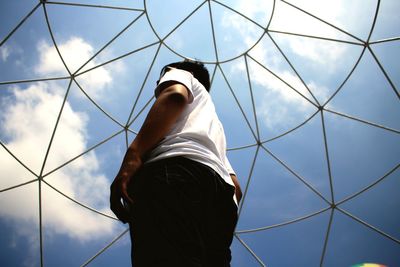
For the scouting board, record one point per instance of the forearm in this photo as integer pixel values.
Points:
(238, 190)
(159, 121)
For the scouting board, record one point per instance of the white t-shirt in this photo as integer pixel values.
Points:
(198, 134)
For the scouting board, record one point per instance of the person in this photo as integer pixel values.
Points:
(176, 187)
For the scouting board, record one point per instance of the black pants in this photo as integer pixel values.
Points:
(183, 215)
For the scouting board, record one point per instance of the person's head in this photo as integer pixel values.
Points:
(197, 68)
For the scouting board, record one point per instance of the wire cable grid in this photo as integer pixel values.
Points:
(332, 206)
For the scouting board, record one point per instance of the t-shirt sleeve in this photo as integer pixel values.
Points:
(228, 166)
(181, 76)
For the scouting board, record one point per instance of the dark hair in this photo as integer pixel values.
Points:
(197, 68)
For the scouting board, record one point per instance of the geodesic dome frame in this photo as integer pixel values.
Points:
(259, 144)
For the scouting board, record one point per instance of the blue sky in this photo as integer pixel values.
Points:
(267, 88)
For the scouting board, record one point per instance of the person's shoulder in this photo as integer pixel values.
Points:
(174, 76)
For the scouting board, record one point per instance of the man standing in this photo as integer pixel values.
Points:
(179, 192)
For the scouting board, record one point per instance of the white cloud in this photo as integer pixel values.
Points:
(28, 120)
(316, 52)
(280, 105)
(257, 10)
(290, 19)
(75, 53)
(286, 18)
(235, 25)
(4, 53)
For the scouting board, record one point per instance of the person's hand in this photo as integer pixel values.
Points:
(119, 197)
(238, 190)
(238, 193)
(116, 196)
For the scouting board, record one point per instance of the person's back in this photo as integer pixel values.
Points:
(198, 133)
(176, 180)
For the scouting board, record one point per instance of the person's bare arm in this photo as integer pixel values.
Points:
(238, 190)
(167, 108)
